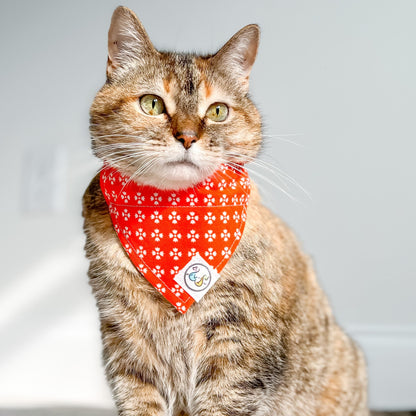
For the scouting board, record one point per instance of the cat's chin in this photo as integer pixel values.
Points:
(177, 176)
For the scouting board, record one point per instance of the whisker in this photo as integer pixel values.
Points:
(274, 170)
(283, 138)
(259, 185)
(238, 169)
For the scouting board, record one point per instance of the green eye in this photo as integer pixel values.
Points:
(217, 112)
(152, 104)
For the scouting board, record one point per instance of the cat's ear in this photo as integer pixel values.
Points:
(127, 39)
(237, 56)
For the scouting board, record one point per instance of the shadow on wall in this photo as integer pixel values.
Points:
(49, 332)
(41, 297)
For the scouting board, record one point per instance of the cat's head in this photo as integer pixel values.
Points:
(170, 119)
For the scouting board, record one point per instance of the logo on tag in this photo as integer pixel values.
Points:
(197, 277)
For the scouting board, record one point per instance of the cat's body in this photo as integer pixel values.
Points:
(263, 340)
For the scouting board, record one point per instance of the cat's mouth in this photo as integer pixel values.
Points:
(181, 173)
(184, 163)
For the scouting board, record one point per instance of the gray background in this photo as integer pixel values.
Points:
(335, 82)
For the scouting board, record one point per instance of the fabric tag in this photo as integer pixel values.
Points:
(197, 277)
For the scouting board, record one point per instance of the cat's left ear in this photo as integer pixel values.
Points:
(127, 40)
(237, 56)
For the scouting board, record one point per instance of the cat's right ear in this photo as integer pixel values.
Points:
(127, 40)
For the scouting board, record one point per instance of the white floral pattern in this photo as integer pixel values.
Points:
(210, 253)
(141, 252)
(157, 253)
(126, 231)
(180, 307)
(209, 217)
(175, 253)
(192, 199)
(160, 288)
(158, 271)
(140, 216)
(174, 270)
(114, 212)
(208, 184)
(225, 235)
(177, 290)
(140, 234)
(174, 199)
(209, 200)
(157, 235)
(156, 199)
(125, 214)
(245, 182)
(125, 197)
(175, 235)
(139, 198)
(226, 253)
(123, 180)
(193, 236)
(192, 218)
(222, 185)
(156, 217)
(210, 236)
(174, 217)
(224, 217)
(224, 200)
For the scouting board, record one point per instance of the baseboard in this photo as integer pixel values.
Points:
(391, 358)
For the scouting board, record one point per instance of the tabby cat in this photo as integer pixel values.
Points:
(263, 340)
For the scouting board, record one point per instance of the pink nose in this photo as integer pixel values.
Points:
(186, 138)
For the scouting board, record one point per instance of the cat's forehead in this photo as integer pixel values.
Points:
(186, 72)
(185, 82)
(182, 79)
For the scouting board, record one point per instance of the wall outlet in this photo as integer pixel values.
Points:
(44, 180)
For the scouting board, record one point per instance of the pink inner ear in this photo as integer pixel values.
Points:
(111, 66)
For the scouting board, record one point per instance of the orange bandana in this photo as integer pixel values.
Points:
(179, 240)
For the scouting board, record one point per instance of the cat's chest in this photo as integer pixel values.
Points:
(175, 347)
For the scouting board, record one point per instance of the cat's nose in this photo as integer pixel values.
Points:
(187, 138)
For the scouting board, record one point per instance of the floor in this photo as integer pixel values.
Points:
(66, 411)
(58, 411)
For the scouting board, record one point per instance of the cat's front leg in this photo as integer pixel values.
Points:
(132, 379)
(137, 397)
(236, 375)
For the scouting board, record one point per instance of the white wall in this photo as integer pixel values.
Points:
(335, 81)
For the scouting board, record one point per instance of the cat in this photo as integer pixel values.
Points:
(263, 339)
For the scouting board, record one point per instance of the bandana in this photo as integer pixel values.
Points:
(179, 240)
